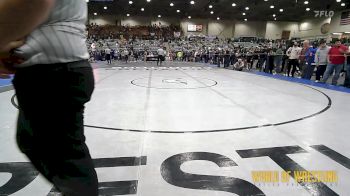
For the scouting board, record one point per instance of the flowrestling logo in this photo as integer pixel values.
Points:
(323, 13)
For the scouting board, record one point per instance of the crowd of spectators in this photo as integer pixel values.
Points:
(154, 31)
(316, 60)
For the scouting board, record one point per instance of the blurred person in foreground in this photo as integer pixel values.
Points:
(53, 80)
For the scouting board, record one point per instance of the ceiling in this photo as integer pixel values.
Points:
(293, 10)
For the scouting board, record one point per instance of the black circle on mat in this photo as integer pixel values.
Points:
(218, 130)
(213, 83)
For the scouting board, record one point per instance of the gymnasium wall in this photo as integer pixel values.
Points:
(335, 24)
(134, 21)
(274, 29)
(312, 28)
(250, 29)
(103, 20)
(306, 29)
(221, 28)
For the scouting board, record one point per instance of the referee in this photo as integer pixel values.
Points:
(52, 85)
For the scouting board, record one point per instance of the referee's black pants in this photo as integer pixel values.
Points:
(50, 127)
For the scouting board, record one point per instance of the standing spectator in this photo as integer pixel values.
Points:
(108, 55)
(278, 59)
(285, 60)
(113, 54)
(126, 55)
(270, 62)
(309, 63)
(161, 55)
(321, 59)
(94, 51)
(293, 53)
(262, 63)
(302, 58)
(336, 60)
(227, 59)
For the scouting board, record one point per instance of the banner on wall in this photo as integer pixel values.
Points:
(195, 28)
(345, 18)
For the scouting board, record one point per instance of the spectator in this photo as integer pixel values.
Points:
(108, 52)
(161, 55)
(239, 65)
(303, 56)
(293, 53)
(278, 59)
(270, 62)
(321, 59)
(336, 60)
(125, 55)
(227, 59)
(309, 63)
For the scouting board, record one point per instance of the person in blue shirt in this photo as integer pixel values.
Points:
(310, 62)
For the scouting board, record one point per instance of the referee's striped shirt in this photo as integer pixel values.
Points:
(61, 39)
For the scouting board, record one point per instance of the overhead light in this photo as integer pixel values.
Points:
(171, 4)
(95, 14)
(159, 16)
(275, 18)
(178, 11)
(211, 12)
(246, 8)
(87, 1)
(234, 5)
(192, 2)
(281, 10)
(210, 6)
(307, 9)
(245, 19)
(306, 2)
(189, 17)
(218, 18)
(142, 9)
(274, 15)
(337, 33)
(243, 14)
(272, 6)
(148, 1)
(338, 1)
(342, 4)
(130, 2)
(347, 32)
(127, 15)
(105, 7)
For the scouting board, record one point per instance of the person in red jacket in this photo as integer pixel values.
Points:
(336, 60)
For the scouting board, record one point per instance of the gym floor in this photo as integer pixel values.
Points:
(194, 130)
